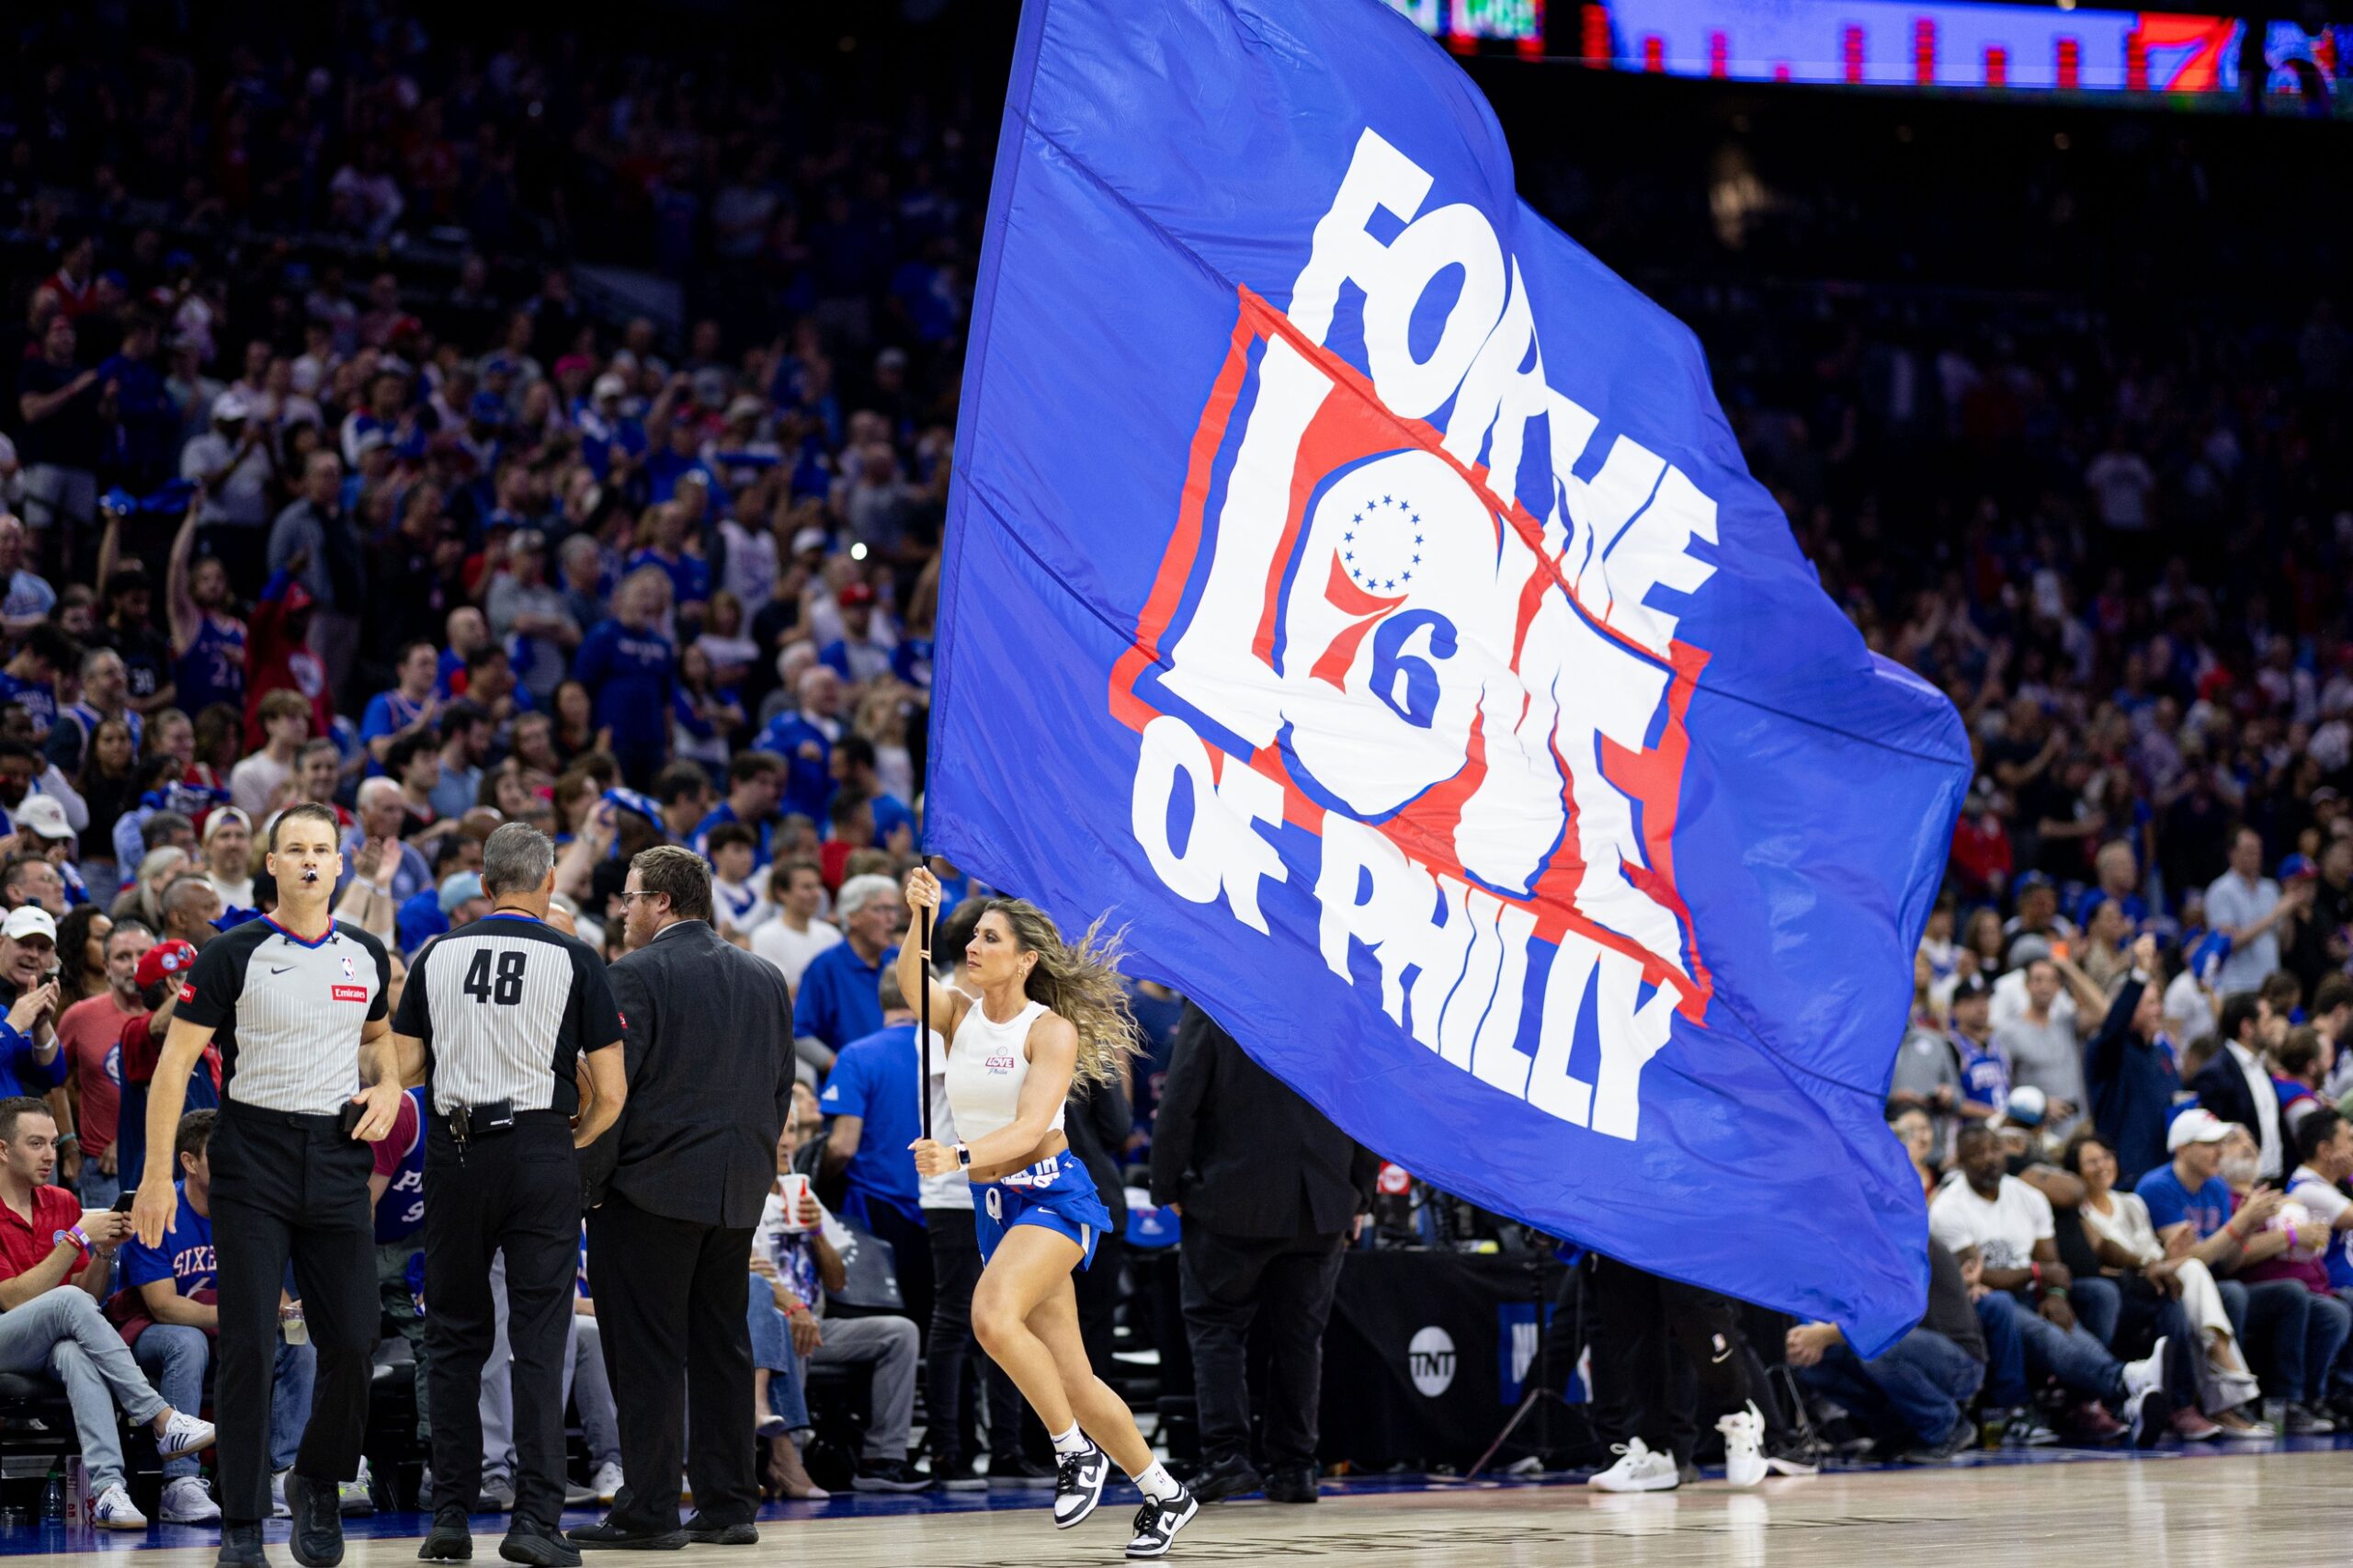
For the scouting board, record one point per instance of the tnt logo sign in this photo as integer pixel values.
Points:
(1413, 606)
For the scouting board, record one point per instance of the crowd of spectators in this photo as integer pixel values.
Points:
(326, 475)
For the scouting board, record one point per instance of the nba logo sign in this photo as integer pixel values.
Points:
(1416, 625)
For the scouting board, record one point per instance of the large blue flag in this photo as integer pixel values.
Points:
(1353, 586)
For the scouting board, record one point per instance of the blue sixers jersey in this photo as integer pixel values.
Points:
(214, 668)
(400, 1212)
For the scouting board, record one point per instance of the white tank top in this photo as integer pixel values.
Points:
(987, 1065)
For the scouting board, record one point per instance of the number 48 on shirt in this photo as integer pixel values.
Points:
(504, 986)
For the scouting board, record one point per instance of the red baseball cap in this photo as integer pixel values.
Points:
(162, 961)
(855, 594)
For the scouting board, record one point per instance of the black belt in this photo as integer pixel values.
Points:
(308, 1121)
(467, 1123)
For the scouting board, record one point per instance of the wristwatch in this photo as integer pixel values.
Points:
(964, 1156)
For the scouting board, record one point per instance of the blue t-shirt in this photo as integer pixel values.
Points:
(630, 673)
(889, 811)
(689, 574)
(184, 1257)
(840, 998)
(874, 1078)
(2170, 1203)
(808, 760)
(40, 698)
(400, 1214)
(719, 816)
(1984, 1077)
(20, 1073)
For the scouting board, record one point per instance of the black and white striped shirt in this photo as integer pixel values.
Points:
(286, 1013)
(505, 1006)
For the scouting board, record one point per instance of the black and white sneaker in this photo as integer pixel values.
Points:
(1158, 1521)
(1078, 1484)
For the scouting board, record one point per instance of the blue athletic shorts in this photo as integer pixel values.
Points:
(1056, 1195)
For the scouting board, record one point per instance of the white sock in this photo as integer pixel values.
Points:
(1071, 1442)
(1157, 1484)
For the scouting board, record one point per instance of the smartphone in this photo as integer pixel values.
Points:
(352, 1111)
(122, 1203)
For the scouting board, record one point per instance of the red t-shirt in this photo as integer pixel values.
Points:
(24, 1242)
(90, 1034)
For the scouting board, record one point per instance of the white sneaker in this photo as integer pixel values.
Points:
(606, 1483)
(185, 1502)
(2142, 1379)
(182, 1435)
(278, 1508)
(113, 1511)
(1743, 1435)
(357, 1496)
(1637, 1470)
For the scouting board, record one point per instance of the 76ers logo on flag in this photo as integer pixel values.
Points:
(1413, 640)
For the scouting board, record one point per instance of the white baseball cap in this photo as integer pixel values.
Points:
(231, 405)
(2196, 1125)
(44, 815)
(32, 920)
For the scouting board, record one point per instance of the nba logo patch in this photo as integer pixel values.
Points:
(348, 973)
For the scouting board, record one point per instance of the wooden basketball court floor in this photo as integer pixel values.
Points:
(2154, 1510)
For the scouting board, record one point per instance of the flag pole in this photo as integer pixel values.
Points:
(924, 1008)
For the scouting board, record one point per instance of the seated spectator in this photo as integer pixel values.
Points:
(158, 978)
(801, 1254)
(874, 1114)
(168, 1318)
(794, 937)
(2303, 1061)
(2298, 1262)
(2324, 1151)
(1918, 1135)
(2196, 1215)
(28, 1046)
(2007, 1227)
(2141, 1283)
(55, 1260)
(1914, 1397)
(380, 817)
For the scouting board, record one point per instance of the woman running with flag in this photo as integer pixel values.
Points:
(1037, 1012)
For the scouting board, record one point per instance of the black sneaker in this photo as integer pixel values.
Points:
(1078, 1484)
(241, 1548)
(889, 1475)
(450, 1540)
(316, 1537)
(1962, 1440)
(606, 1536)
(1158, 1521)
(707, 1532)
(538, 1546)
(1795, 1455)
(1020, 1470)
(954, 1473)
(1292, 1483)
(1229, 1476)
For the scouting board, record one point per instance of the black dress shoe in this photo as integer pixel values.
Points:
(241, 1548)
(1232, 1476)
(710, 1532)
(316, 1538)
(450, 1540)
(1292, 1483)
(538, 1545)
(1020, 1470)
(606, 1536)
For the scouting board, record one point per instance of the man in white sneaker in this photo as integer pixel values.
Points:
(169, 1319)
(54, 1259)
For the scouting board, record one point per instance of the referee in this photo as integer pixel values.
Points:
(296, 1004)
(501, 1012)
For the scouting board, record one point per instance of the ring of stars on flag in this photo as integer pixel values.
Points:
(1381, 547)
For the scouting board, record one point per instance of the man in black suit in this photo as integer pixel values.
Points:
(2237, 1085)
(1270, 1192)
(707, 1039)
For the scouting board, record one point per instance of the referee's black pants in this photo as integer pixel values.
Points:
(517, 1192)
(670, 1309)
(288, 1187)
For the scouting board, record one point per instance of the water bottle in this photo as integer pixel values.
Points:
(52, 1497)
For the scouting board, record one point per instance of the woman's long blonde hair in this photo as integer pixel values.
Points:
(1080, 980)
